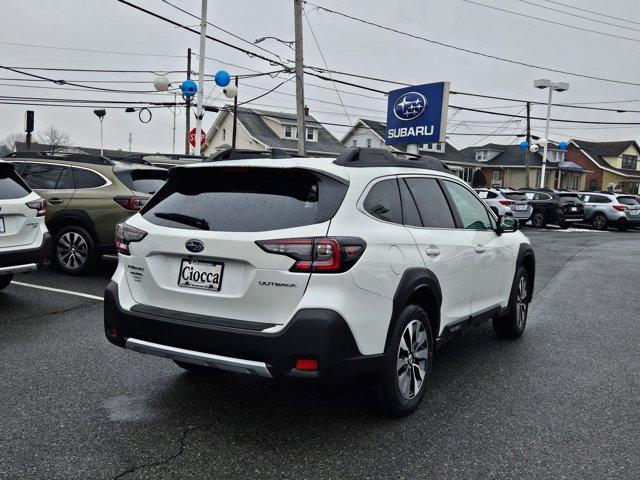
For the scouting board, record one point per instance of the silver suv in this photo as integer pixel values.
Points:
(507, 202)
(603, 210)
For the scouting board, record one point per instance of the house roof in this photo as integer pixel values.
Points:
(509, 155)
(42, 147)
(253, 121)
(596, 151)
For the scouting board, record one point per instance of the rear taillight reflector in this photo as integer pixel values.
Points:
(40, 205)
(132, 203)
(322, 255)
(125, 235)
(506, 202)
(306, 364)
(620, 208)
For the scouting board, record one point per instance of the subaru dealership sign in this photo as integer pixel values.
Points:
(417, 114)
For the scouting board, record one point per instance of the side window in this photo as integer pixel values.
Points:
(87, 179)
(65, 182)
(410, 215)
(19, 166)
(472, 212)
(383, 201)
(492, 195)
(432, 204)
(483, 194)
(42, 176)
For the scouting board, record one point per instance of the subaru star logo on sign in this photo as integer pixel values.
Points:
(195, 246)
(417, 114)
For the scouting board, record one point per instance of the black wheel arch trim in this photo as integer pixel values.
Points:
(412, 281)
(70, 217)
(526, 257)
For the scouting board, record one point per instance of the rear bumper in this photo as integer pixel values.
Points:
(27, 260)
(318, 334)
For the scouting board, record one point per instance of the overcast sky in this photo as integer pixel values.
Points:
(347, 45)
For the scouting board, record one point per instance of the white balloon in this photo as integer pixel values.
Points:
(161, 83)
(542, 142)
(230, 91)
(533, 148)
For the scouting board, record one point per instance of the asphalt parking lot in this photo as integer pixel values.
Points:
(562, 402)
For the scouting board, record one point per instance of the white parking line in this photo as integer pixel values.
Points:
(68, 292)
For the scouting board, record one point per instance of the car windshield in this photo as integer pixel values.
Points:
(627, 201)
(515, 196)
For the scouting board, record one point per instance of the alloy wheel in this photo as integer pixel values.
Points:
(72, 250)
(538, 220)
(413, 355)
(522, 307)
(599, 222)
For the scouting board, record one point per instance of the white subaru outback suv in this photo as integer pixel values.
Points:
(25, 244)
(316, 267)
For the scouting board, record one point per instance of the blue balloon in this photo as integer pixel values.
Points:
(222, 78)
(563, 145)
(189, 88)
(524, 145)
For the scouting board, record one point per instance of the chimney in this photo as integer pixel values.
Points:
(306, 111)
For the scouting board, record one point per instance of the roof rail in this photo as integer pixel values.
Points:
(242, 154)
(380, 157)
(30, 154)
(139, 159)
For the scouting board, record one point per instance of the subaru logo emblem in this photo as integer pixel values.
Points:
(194, 246)
(409, 106)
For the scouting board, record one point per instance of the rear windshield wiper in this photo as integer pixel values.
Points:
(200, 223)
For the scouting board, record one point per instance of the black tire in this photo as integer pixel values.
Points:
(538, 220)
(70, 262)
(5, 280)
(599, 221)
(563, 225)
(193, 368)
(417, 363)
(623, 227)
(512, 324)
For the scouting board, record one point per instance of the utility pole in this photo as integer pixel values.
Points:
(130, 140)
(528, 143)
(188, 107)
(203, 40)
(235, 116)
(297, 15)
(175, 113)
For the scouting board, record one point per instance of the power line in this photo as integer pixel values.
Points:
(591, 11)
(469, 51)
(99, 70)
(89, 50)
(564, 12)
(573, 27)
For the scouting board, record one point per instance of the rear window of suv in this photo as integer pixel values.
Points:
(627, 200)
(143, 181)
(241, 199)
(11, 185)
(569, 197)
(515, 196)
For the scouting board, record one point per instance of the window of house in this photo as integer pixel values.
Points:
(354, 143)
(496, 176)
(481, 155)
(633, 187)
(368, 143)
(466, 174)
(593, 184)
(630, 161)
(311, 134)
(290, 131)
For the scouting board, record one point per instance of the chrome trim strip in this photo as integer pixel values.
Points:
(199, 358)
(27, 267)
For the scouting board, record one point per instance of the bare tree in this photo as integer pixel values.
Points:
(56, 138)
(9, 140)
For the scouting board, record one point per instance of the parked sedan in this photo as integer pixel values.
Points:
(604, 210)
(507, 202)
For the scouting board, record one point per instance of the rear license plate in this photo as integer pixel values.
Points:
(574, 209)
(2, 230)
(200, 274)
(632, 212)
(520, 207)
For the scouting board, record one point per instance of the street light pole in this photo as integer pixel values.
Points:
(300, 110)
(558, 87)
(203, 38)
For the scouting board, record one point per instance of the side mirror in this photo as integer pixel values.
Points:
(507, 224)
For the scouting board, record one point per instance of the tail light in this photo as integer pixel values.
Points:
(620, 208)
(40, 205)
(133, 203)
(126, 234)
(506, 202)
(320, 255)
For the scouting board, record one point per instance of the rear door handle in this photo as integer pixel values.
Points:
(480, 249)
(55, 201)
(432, 251)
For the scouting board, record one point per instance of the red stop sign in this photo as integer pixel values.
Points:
(192, 137)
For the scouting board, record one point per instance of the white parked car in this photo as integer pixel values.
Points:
(25, 244)
(316, 267)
